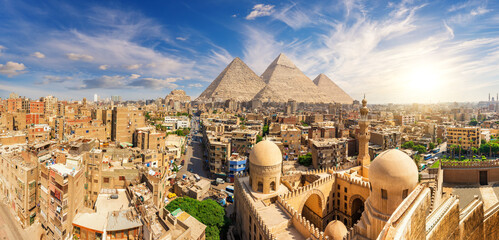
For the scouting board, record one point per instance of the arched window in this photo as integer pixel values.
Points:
(260, 187)
(272, 186)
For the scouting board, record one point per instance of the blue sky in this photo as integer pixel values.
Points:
(399, 52)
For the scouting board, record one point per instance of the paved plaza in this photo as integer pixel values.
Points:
(489, 193)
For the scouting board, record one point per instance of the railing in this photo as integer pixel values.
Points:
(473, 164)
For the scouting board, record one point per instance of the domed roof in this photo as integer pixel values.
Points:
(393, 169)
(265, 153)
(335, 230)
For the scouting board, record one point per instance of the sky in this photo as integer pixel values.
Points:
(392, 51)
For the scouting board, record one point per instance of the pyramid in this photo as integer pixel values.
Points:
(285, 81)
(237, 81)
(332, 90)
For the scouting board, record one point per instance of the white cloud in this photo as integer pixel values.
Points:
(234, 15)
(260, 48)
(79, 57)
(260, 10)
(134, 76)
(181, 38)
(293, 17)
(12, 69)
(103, 67)
(133, 66)
(479, 11)
(38, 55)
(195, 85)
(107, 82)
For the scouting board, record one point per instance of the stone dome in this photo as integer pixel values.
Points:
(265, 153)
(335, 230)
(393, 169)
(393, 175)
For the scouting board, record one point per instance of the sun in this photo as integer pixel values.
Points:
(422, 77)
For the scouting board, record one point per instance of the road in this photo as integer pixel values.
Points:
(8, 224)
(194, 153)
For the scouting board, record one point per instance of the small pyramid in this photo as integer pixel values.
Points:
(285, 81)
(237, 81)
(332, 90)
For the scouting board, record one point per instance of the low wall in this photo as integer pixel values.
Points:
(469, 172)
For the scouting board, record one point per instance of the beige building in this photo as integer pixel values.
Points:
(242, 141)
(329, 152)
(467, 137)
(61, 196)
(125, 121)
(19, 183)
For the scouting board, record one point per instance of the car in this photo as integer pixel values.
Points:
(220, 181)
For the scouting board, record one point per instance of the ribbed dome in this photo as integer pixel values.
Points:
(335, 230)
(265, 153)
(393, 170)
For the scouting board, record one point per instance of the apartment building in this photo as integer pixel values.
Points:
(291, 141)
(149, 138)
(405, 119)
(236, 164)
(467, 137)
(39, 133)
(124, 123)
(61, 196)
(217, 151)
(329, 152)
(242, 141)
(386, 139)
(36, 107)
(18, 183)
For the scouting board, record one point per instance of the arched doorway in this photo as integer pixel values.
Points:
(312, 210)
(357, 209)
(272, 186)
(260, 187)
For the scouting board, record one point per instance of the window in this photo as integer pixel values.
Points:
(339, 187)
(384, 194)
(404, 193)
(345, 204)
(345, 198)
(345, 190)
(122, 178)
(106, 180)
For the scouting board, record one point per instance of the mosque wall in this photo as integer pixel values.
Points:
(447, 225)
(491, 222)
(471, 224)
(469, 175)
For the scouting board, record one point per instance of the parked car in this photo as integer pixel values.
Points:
(220, 181)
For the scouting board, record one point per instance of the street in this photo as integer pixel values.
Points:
(9, 228)
(194, 153)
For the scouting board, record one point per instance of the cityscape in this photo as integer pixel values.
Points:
(339, 120)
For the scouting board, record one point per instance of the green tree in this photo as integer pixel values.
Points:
(258, 138)
(208, 211)
(473, 122)
(417, 160)
(439, 141)
(431, 146)
(408, 144)
(419, 148)
(305, 160)
(265, 129)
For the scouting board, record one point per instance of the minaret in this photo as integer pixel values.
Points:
(364, 159)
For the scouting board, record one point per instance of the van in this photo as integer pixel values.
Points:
(220, 181)
(197, 177)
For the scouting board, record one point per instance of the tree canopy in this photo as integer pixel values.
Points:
(208, 211)
(305, 160)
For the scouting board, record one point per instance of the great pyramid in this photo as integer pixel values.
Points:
(285, 81)
(332, 90)
(237, 81)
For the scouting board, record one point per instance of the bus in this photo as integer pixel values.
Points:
(427, 156)
(230, 189)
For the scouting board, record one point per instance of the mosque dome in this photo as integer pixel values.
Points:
(265, 153)
(335, 230)
(393, 169)
(393, 175)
